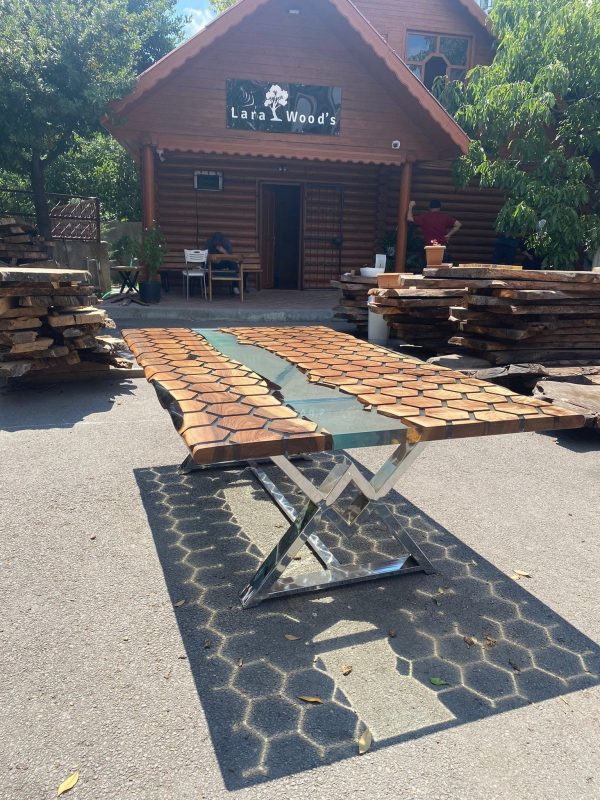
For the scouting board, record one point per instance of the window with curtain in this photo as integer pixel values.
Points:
(431, 54)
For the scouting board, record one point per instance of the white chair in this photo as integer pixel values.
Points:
(196, 257)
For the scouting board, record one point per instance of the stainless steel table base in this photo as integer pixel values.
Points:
(270, 582)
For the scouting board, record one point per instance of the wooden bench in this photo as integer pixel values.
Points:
(252, 266)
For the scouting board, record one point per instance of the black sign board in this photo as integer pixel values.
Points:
(283, 107)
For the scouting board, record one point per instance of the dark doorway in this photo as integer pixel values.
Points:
(280, 227)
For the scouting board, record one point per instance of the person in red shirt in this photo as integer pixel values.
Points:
(435, 224)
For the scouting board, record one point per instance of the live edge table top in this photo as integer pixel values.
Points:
(244, 393)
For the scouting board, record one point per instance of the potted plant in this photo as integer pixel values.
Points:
(124, 251)
(434, 253)
(151, 255)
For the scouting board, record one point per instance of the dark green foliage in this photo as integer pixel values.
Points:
(534, 116)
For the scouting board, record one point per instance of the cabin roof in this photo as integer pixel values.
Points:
(225, 22)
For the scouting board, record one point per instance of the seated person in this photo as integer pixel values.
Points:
(218, 245)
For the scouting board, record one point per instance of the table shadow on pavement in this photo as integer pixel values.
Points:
(249, 677)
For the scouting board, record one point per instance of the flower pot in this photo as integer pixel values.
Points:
(434, 253)
(149, 291)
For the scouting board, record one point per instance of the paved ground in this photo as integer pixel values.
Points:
(102, 672)
(270, 306)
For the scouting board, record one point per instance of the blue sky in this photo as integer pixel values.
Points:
(198, 11)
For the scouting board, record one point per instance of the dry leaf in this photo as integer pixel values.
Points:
(179, 603)
(365, 742)
(489, 642)
(346, 669)
(438, 682)
(516, 667)
(470, 641)
(207, 644)
(520, 573)
(182, 658)
(68, 784)
(291, 638)
(392, 633)
(93, 536)
(308, 699)
(297, 558)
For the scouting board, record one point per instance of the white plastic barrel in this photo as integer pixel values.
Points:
(378, 331)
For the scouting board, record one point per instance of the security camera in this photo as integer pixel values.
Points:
(396, 144)
(161, 154)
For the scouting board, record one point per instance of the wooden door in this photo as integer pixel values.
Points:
(267, 233)
(323, 234)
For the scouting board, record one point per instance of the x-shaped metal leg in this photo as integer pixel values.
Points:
(270, 581)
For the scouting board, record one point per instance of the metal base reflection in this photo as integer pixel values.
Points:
(269, 582)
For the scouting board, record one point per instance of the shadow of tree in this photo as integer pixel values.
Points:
(489, 644)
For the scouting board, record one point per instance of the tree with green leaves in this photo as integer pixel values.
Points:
(218, 6)
(534, 118)
(62, 62)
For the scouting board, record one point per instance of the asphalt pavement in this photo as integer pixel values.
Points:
(479, 681)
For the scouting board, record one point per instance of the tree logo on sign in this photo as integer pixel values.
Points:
(275, 98)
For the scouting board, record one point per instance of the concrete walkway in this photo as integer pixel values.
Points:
(270, 306)
(105, 671)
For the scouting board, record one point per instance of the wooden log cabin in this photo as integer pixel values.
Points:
(301, 129)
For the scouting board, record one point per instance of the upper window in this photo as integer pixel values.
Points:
(429, 55)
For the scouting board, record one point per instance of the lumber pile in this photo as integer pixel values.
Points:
(526, 316)
(19, 242)
(417, 310)
(50, 320)
(352, 305)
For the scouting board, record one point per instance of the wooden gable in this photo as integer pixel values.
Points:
(329, 44)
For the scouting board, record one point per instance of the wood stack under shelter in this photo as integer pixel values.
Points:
(352, 305)
(524, 316)
(49, 320)
(417, 310)
(19, 242)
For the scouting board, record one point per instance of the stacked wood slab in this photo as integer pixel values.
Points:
(49, 320)
(353, 299)
(19, 242)
(525, 316)
(417, 310)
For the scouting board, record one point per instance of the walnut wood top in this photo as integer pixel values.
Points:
(224, 411)
(434, 401)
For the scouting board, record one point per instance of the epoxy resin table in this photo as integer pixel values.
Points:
(245, 394)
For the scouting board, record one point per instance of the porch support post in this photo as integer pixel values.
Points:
(403, 201)
(148, 191)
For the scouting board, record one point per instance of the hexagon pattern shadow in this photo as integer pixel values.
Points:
(249, 676)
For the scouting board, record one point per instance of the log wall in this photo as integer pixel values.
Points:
(370, 203)
(393, 18)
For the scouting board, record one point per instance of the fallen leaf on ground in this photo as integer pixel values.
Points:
(93, 536)
(516, 667)
(365, 742)
(68, 784)
(297, 558)
(183, 658)
(438, 682)
(168, 673)
(489, 642)
(470, 641)
(346, 669)
(308, 699)
(392, 633)
(520, 573)
(207, 644)
(179, 603)
(291, 638)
